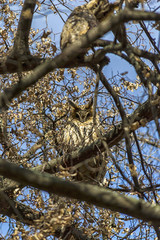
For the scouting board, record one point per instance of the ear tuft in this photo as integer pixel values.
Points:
(73, 104)
(89, 104)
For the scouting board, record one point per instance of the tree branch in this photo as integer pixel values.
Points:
(21, 46)
(18, 211)
(68, 55)
(138, 118)
(84, 192)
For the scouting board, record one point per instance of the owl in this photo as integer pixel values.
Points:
(87, 16)
(83, 18)
(79, 132)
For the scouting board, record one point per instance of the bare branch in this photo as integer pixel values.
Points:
(16, 210)
(84, 192)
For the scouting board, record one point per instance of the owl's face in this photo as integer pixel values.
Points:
(82, 113)
(79, 132)
(80, 129)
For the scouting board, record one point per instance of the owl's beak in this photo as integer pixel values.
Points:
(82, 120)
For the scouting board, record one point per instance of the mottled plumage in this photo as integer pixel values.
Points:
(78, 24)
(83, 18)
(87, 16)
(79, 132)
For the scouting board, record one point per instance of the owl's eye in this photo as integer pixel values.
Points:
(88, 115)
(77, 115)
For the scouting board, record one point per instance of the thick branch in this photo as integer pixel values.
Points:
(21, 46)
(84, 192)
(111, 47)
(71, 52)
(30, 62)
(141, 115)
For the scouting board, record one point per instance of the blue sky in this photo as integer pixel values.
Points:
(117, 65)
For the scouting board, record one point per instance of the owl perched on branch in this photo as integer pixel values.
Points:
(79, 132)
(87, 16)
(83, 18)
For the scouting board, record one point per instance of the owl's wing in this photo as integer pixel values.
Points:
(77, 24)
(93, 169)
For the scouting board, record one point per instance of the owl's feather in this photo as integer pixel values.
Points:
(87, 16)
(78, 24)
(80, 132)
(83, 18)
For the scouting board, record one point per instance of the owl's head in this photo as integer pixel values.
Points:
(81, 113)
(101, 8)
